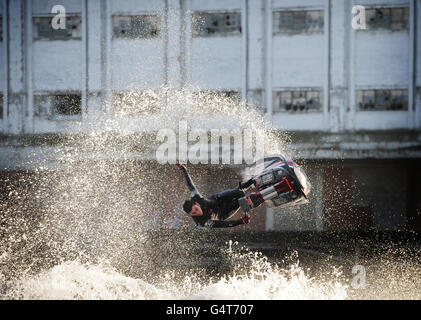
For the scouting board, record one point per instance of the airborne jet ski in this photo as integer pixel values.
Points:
(280, 182)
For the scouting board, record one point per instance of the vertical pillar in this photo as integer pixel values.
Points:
(268, 59)
(352, 108)
(187, 42)
(107, 50)
(327, 54)
(28, 116)
(245, 48)
(16, 67)
(412, 65)
(84, 80)
(339, 68)
(174, 44)
(417, 37)
(270, 218)
(94, 58)
(5, 63)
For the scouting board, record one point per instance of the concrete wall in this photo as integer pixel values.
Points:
(138, 62)
(372, 195)
(3, 62)
(338, 61)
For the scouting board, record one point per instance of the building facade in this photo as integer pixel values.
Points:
(342, 76)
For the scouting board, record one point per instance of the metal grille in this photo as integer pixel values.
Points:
(209, 24)
(382, 100)
(136, 27)
(387, 18)
(44, 30)
(295, 22)
(298, 101)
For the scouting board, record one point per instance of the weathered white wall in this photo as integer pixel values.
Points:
(384, 2)
(206, 5)
(2, 47)
(57, 65)
(136, 6)
(382, 59)
(44, 6)
(297, 3)
(298, 61)
(301, 122)
(137, 63)
(370, 60)
(256, 40)
(382, 120)
(209, 71)
(3, 66)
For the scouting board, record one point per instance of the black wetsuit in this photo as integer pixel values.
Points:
(223, 205)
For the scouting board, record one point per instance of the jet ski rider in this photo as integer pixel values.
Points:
(222, 205)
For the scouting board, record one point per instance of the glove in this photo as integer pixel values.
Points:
(245, 185)
(180, 166)
(245, 219)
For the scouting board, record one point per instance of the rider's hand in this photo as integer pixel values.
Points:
(245, 219)
(180, 166)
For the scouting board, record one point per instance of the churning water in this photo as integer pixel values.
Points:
(79, 228)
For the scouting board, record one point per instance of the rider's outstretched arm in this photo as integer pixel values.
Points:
(189, 181)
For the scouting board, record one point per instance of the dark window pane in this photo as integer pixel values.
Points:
(382, 100)
(295, 22)
(387, 18)
(44, 30)
(207, 24)
(67, 104)
(298, 101)
(136, 27)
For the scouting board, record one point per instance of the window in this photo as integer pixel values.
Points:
(295, 22)
(298, 101)
(60, 105)
(228, 95)
(136, 102)
(214, 24)
(136, 27)
(387, 18)
(382, 100)
(43, 30)
(1, 29)
(67, 104)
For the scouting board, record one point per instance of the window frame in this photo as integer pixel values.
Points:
(196, 17)
(359, 99)
(57, 37)
(277, 17)
(295, 95)
(158, 17)
(50, 112)
(387, 27)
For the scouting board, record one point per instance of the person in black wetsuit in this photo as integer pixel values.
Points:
(223, 205)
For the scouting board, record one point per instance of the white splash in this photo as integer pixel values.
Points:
(74, 280)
